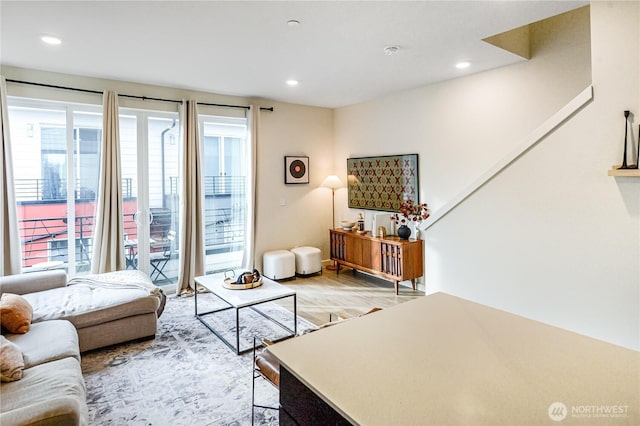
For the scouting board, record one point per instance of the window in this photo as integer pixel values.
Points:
(225, 178)
(150, 158)
(56, 152)
(53, 162)
(56, 160)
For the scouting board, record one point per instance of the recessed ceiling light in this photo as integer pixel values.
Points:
(391, 50)
(293, 22)
(50, 39)
(292, 83)
(463, 65)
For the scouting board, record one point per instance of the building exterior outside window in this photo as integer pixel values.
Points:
(56, 156)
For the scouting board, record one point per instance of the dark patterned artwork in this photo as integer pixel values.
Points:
(382, 183)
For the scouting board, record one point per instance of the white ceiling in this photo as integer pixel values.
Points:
(247, 49)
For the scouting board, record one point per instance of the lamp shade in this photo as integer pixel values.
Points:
(332, 181)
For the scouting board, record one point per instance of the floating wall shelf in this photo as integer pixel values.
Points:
(624, 172)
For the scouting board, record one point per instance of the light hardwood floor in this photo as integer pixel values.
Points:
(348, 293)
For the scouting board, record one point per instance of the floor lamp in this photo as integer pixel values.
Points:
(334, 183)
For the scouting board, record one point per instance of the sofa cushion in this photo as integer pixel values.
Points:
(86, 305)
(127, 278)
(33, 281)
(15, 313)
(49, 393)
(11, 361)
(47, 341)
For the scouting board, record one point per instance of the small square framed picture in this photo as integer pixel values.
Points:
(296, 169)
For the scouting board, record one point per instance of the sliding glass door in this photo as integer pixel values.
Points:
(150, 160)
(56, 163)
(56, 156)
(224, 141)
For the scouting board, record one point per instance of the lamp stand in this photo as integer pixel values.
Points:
(336, 266)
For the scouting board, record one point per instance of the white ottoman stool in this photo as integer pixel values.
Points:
(278, 264)
(308, 260)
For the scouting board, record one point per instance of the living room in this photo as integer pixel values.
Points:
(522, 220)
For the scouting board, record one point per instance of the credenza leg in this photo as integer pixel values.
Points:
(395, 286)
(335, 267)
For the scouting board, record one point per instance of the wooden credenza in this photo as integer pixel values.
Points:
(390, 258)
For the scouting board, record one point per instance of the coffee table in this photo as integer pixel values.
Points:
(269, 291)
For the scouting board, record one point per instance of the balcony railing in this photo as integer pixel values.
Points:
(50, 190)
(46, 238)
(214, 185)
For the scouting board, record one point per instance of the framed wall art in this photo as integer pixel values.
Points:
(296, 169)
(382, 183)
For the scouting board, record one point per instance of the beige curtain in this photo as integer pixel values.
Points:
(10, 239)
(108, 234)
(191, 241)
(248, 256)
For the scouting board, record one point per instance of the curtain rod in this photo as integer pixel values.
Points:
(144, 98)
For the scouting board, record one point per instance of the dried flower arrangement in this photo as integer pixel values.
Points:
(411, 211)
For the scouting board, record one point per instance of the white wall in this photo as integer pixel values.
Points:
(552, 237)
(305, 217)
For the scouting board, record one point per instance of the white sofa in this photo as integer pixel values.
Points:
(69, 318)
(51, 390)
(105, 309)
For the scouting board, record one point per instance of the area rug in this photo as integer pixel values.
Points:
(186, 375)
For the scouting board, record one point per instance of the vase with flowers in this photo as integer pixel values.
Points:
(410, 212)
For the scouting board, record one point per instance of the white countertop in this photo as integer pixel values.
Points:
(446, 361)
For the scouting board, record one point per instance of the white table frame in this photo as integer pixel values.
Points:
(269, 291)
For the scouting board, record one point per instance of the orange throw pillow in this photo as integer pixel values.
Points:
(11, 361)
(15, 313)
